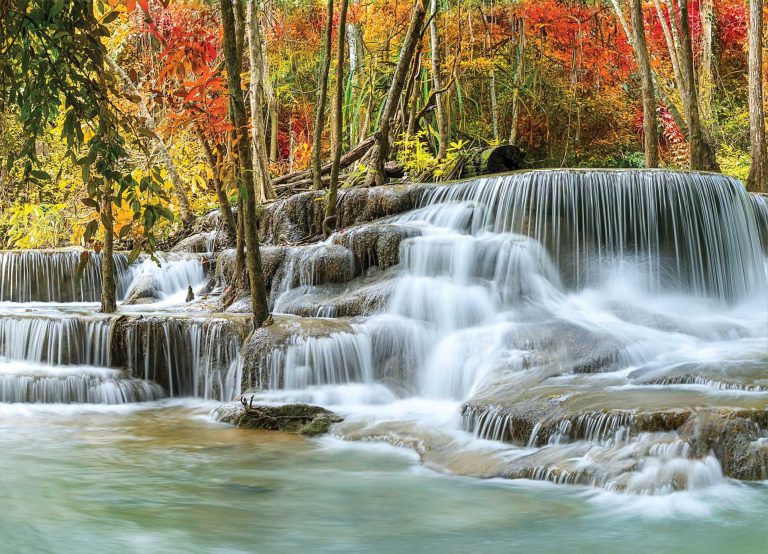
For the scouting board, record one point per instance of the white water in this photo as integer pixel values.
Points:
(642, 291)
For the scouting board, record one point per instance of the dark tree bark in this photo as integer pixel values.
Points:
(245, 161)
(322, 98)
(758, 172)
(329, 223)
(650, 132)
(108, 286)
(221, 195)
(380, 151)
(702, 154)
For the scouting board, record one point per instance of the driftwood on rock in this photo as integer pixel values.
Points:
(293, 418)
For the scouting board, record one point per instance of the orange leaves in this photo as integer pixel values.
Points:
(130, 5)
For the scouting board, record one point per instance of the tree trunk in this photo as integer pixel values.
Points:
(108, 300)
(491, 80)
(672, 47)
(355, 42)
(437, 81)
(354, 155)
(148, 122)
(245, 176)
(702, 155)
(758, 172)
(329, 224)
(650, 132)
(274, 129)
(221, 195)
(258, 125)
(380, 151)
(518, 78)
(706, 85)
(322, 97)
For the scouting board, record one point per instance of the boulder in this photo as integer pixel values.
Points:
(293, 418)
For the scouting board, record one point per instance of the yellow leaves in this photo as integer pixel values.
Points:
(35, 225)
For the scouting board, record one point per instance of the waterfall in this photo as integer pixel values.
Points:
(574, 314)
(49, 276)
(600, 324)
(55, 340)
(187, 356)
(23, 383)
(691, 231)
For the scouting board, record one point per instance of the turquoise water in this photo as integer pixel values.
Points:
(166, 478)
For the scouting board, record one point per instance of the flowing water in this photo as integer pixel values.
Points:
(590, 328)
(164, 478)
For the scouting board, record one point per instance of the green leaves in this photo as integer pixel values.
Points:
(90, 202)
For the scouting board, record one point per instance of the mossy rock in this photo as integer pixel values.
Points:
(292, 418)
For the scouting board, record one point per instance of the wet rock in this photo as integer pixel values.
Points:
(734, 436)
(375, 244)
(301, 216)
(272, 258)
(293, 418)
(145, 291)
(265, 343)
(316, 264)
(210, 241)
(359, 297)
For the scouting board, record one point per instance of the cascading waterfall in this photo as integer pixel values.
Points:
(187, 356)
(540, 303)
(600, 324)
(49, 276)
(55, 340)
(690, 231)
(53, 353)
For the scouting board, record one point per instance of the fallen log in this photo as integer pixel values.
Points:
(354, 155)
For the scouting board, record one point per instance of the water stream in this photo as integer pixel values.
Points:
(590, 328)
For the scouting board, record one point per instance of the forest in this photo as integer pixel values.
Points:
(195, 110)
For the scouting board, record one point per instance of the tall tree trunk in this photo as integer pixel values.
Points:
(758, 172)
(356, 76)
(437, 81)
(491, 80)
(702, 155)
(706, 84)
(518, 78)
(274, 125)
(650, 132)
(108, 286)
(329, 224)
(380, 150)
(668, 26)
(258, 125)
(245, 160)
(269, 91)
(148, 122)
(322, 98)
